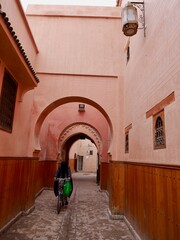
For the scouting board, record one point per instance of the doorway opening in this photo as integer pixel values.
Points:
(83, 156)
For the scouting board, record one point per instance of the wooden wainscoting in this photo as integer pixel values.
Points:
(20, 180)
(152, 200)
(45, 174)
(116, 187)
(104, 172)
(17, 191)
(148, 195)
(73, 165)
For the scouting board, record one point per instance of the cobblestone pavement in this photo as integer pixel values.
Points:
(85, 218)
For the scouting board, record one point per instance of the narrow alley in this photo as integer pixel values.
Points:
(85, 218)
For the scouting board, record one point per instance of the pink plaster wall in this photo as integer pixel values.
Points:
(83, 53)
(17, 18)
(17, 142)
(76, 44)
(64, 116)
(79, 57)
(151, 75)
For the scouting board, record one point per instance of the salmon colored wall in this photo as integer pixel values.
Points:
(82, 59)
(21, 27)
(91, 87)
(75, 39)
(64, 116)
(17, 142)
(151, 75)
(84, 54)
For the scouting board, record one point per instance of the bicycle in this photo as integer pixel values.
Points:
(62, 200)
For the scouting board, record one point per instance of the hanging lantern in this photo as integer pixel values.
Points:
(129, 20)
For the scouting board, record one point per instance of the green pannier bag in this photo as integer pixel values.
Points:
(67, 188)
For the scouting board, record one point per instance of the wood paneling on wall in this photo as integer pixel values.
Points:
(104, 172)
(20, 180)
(72, 165)
(151, 195)
(116, 187)
(45, 174)
(17, 192)
(153, 200)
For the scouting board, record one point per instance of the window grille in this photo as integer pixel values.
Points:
(126, 142)
(127, 137)
(7, 102)
(159, 131)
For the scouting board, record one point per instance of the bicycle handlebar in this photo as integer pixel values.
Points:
(63, 178)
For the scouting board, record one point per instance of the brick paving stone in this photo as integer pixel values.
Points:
(85, 218)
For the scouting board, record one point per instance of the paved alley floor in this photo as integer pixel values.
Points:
(85, 218)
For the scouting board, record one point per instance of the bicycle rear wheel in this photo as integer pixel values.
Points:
(59, 203)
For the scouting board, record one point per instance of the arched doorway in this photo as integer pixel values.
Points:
(60, 102)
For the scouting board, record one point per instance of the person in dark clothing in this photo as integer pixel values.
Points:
(62, 172)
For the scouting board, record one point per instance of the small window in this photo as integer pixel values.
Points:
(89, 152)
(127, 142)
(128, 54)
(127, 137)
(159, 131)
(7, 102)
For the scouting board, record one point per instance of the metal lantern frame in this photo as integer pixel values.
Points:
(133, 17)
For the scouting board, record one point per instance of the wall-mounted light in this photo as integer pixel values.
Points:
(81, 107)
(132, 16)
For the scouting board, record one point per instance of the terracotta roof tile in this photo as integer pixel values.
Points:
(10, 28)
